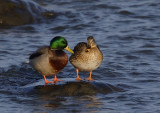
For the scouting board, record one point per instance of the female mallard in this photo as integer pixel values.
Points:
(49, 60)
(86, 57)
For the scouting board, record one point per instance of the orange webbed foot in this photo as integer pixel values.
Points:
(89, 79)
(55, 80)
(46, 81)
(78, 79)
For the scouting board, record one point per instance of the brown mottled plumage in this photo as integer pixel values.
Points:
(86, 57)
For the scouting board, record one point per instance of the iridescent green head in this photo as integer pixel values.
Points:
(59, 43)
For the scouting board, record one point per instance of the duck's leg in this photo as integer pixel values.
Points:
(78, 78)
(89, 78)
(46, 81)
(55, 79)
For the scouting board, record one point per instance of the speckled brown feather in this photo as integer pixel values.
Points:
(87, 56)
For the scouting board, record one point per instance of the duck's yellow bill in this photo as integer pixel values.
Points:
(68, 49)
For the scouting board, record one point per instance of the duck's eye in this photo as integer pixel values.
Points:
(63, 42)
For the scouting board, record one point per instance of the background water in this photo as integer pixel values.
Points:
(127, 33)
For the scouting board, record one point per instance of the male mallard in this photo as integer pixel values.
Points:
(86, 57)
(49, 60)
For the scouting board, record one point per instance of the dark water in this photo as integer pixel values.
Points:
(128, 34)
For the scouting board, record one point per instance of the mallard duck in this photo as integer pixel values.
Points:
(50, 60)
(86, 57)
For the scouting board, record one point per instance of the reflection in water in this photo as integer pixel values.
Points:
(53, 102)
(89, 104)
